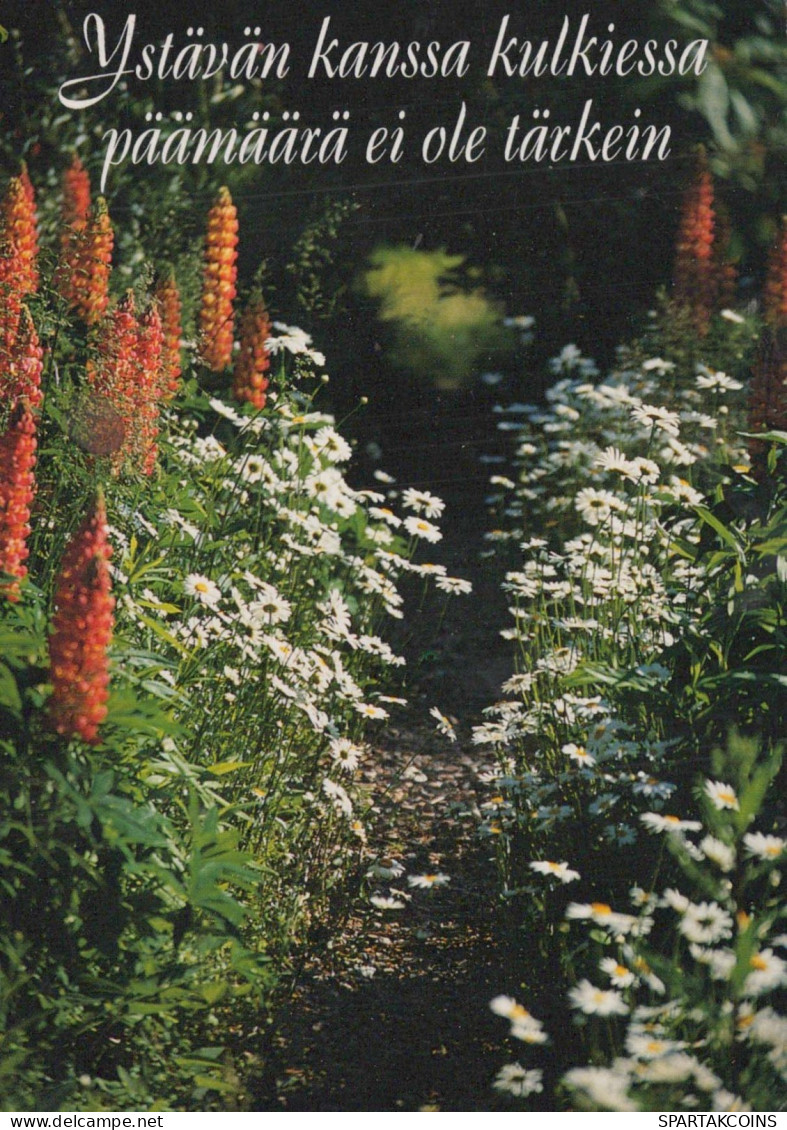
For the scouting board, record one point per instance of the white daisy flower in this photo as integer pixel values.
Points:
(656, 822)
(595, 506)
(606, 1087)
(422, 502)
(386, 902)
(514, 1079)
(331, 445)
(386, 869)
(560, 871)
(346, 754)
(597, 1002)
(603, 915)
(764, 847)
(369, 710)
(647, 1046)
(578, 753)
(718, 852)
(205, 591)
(384, 514)
(524, 1026)
(612, 459)
(454, 585)
(722, 796)
(420, 528)
(768, 972)
(338, 797)
(426, 882)
(444, 725)
(705, 923)
(712, 381)
(661, 419)
(620, 975)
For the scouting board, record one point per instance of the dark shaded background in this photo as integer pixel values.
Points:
(580, 246)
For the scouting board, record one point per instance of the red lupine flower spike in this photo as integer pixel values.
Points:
(218, 287)
(81, 632)
(252, 361)
(76, 197)
(774, 304)
(11, 300)
(20, 232)
(17, 487)
(83, 276)
(107, 415)
(150, 341)
(22, 364)
(169, 305)
(30, 197)
(124, 388)
(18, 248)
(702, 280)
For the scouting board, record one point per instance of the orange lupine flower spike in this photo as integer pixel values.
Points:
(76, 197)
(149, 391)
(124, 383)
(170, 308)
(83, 277)
(17, 487)
(113, 367)
(22, 364)
(695, 277)
(774, 301)
(216, 323)
(20, 231)
(30, 196)
(252, 362)
(11, 299)
(81, 631)
(17, 243)
(113, 376)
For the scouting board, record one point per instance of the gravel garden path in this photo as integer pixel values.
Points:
(395, 1015)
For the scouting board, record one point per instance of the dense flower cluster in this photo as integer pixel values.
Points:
(125, 387)
(167, 297)
(253, 361)
(83, 275)
(303, 602)
(18, 272)
(81, 632)
(17, 489)
(22, 364)
(19, 233)
(702, 280)
(216, 317)
(76, 200)
(614, 482)
(680, 1030)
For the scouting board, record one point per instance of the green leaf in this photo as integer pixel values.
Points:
(9, 692)
(726, 535)
(222, 767)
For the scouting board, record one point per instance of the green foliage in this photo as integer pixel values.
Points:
(441, 329)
